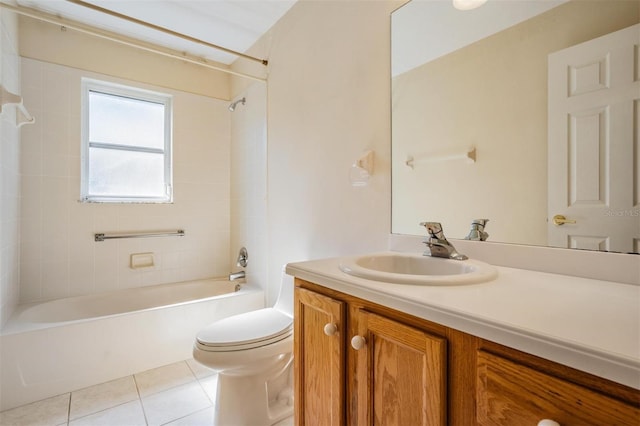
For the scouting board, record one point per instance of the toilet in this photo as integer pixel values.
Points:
(253, 353)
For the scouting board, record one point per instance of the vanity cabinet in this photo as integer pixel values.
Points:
(360, 363)
(399, 373)
(358, 367)
(513, 394)
(319, 359)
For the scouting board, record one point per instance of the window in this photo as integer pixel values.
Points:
(126, 144)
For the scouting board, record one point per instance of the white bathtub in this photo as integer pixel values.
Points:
(55, 347)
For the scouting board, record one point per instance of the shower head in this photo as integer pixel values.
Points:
(233, 105)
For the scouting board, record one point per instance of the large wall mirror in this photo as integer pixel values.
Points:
(518, 112)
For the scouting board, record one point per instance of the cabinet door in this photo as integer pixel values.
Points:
(512, 394)
(319, 359)
(400, 374)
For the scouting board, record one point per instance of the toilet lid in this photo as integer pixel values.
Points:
(251, 329)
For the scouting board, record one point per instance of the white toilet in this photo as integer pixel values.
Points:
(253, 353)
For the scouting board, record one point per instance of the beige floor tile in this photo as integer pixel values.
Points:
(175, 403)
(50, 411)
(129, 414)
(163, 378)
(199, 370)
(200, 418)
(100, 397)
(210, 386)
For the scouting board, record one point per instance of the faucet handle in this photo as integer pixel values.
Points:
(243, 257)
(477, 231)
(438, 244)
(434, 229)
(481, 222)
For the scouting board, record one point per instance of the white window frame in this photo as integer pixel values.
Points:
(90, 85)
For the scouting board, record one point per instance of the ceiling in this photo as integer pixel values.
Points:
(233, 24)
(423, 30)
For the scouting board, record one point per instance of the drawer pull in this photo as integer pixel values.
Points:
(358, 342)
(547, 422)
(330, 329)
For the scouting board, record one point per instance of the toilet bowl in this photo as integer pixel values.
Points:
(253, 353)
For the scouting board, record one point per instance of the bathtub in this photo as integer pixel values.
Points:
(59, 346)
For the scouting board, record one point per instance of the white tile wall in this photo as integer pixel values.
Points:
(249, 183)
(59, 256)
(9, 170)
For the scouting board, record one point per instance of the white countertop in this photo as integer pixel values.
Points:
(591, 325)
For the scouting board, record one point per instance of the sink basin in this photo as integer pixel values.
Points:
(402, 268)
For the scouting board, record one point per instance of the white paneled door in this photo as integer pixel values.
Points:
(594, 117)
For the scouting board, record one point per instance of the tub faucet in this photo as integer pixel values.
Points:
(477, 232)
(236, 276)
(438, 244)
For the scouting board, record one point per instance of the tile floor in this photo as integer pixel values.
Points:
(179, 394)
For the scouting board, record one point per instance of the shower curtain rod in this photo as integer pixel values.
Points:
(165, 30)
(76, 26)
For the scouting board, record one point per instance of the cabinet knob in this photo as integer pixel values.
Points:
(330, 329)
(547, 422)
(358, 342)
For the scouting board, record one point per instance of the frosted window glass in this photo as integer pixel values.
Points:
(126, 144)
(126, 173)
(123, 120)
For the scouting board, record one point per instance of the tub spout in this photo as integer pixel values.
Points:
(236, 276)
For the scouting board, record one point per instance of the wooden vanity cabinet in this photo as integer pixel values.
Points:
(513, 394)
(399, 374)
(359, 363)
(319, 359)
(396, 374)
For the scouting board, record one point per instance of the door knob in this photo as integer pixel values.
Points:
(547, 422)
(330, 329)
(559, 220)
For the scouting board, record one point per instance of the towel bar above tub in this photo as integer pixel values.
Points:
(178, 233)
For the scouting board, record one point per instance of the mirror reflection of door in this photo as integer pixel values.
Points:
(594, 114)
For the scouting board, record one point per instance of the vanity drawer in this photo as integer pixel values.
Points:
(511, 394)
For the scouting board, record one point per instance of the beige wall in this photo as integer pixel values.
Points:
(50, 43)
(9, 170)
(491, 95)
(328, 103)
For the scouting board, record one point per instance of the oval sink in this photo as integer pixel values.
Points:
(402, 268)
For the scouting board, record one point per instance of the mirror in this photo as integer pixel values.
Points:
(470, 114)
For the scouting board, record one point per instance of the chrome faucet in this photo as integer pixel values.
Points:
(477, 232)
(236, 276)
(438, 244)
(243, 256)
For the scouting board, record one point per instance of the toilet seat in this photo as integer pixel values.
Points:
(245, 331)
